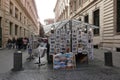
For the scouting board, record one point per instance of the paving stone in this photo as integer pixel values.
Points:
(95, 70)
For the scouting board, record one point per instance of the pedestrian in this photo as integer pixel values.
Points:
(25, 42)
(48, 49)
(13, 43)
(30, 53)
(9, 43)
(19, 43)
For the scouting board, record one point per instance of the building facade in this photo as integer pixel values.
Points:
(41, 30)
(61, 10)
(102, 13)
(18, 18)
(49, 21)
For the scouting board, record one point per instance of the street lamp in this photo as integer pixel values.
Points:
(52, 28)
(85, 29)
(70, 25)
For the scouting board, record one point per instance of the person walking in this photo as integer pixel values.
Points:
(19, 43)
(9, 43)
(48, 49)
(25, 42)
(13, 43)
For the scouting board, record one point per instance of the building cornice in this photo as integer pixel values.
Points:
(26, 11)
(56, 5)
(77, 13)
(35, 7)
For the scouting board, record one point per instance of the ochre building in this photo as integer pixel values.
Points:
(18, 18)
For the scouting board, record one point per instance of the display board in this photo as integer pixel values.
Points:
(77, 38)
(64, 61)
(52, 42)
(74, 40)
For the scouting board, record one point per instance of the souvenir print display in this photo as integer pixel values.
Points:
(85, 41)
(68, 39)
(64, 61)
(74, 40)
(79, 41)
(78, 38)
(63, 39)
(58, 41)
(90, 43)
(52, 43)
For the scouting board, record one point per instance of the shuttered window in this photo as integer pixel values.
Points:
(16, 29)
(96, 21)
(11, 24)
(86, 19)
(118, 16)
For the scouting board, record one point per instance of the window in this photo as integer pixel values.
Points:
(85, 1)
(0, 2)
(11, 8)
(86, 19)
(80, 2)
(16, 29)
(20, 16)
(0, 22)
(71, 6)
(79, 19)
(20, 31)
(16, 13)
(0, 33)
(10, 30)
(75, 8)
(96, 21)
(118, 16)
(24, 32)
(24, 20)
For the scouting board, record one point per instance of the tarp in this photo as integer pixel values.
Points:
(60, 24)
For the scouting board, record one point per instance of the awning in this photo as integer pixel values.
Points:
(57, 25)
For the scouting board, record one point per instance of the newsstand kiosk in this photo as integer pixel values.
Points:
(71, 41)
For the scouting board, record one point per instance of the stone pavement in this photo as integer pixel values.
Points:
(95, 70)
(99, 54)
(6, 59)
(45, 72)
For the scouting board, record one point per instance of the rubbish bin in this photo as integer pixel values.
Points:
(17, 62)
(108, 58)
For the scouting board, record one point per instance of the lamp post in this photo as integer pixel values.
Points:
(70, 25)
(50, 57)
(85, 30)
(52, 28)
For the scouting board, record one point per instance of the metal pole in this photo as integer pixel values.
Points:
(39, 61)
(70, 25)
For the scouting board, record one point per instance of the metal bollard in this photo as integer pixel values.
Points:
(108, 58)
(17, 62)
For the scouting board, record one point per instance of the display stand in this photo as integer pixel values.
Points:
(41, 53)
(64, 61)
(74, 35)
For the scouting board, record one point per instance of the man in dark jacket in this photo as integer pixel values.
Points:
(48, 48)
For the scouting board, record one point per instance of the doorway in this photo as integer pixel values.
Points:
(0, 33)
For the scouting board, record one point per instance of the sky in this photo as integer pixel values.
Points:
(45, 9)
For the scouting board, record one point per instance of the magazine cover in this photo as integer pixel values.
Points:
(64, 61)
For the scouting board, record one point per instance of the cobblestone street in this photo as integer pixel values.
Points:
(95, 70)
(83, 73)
